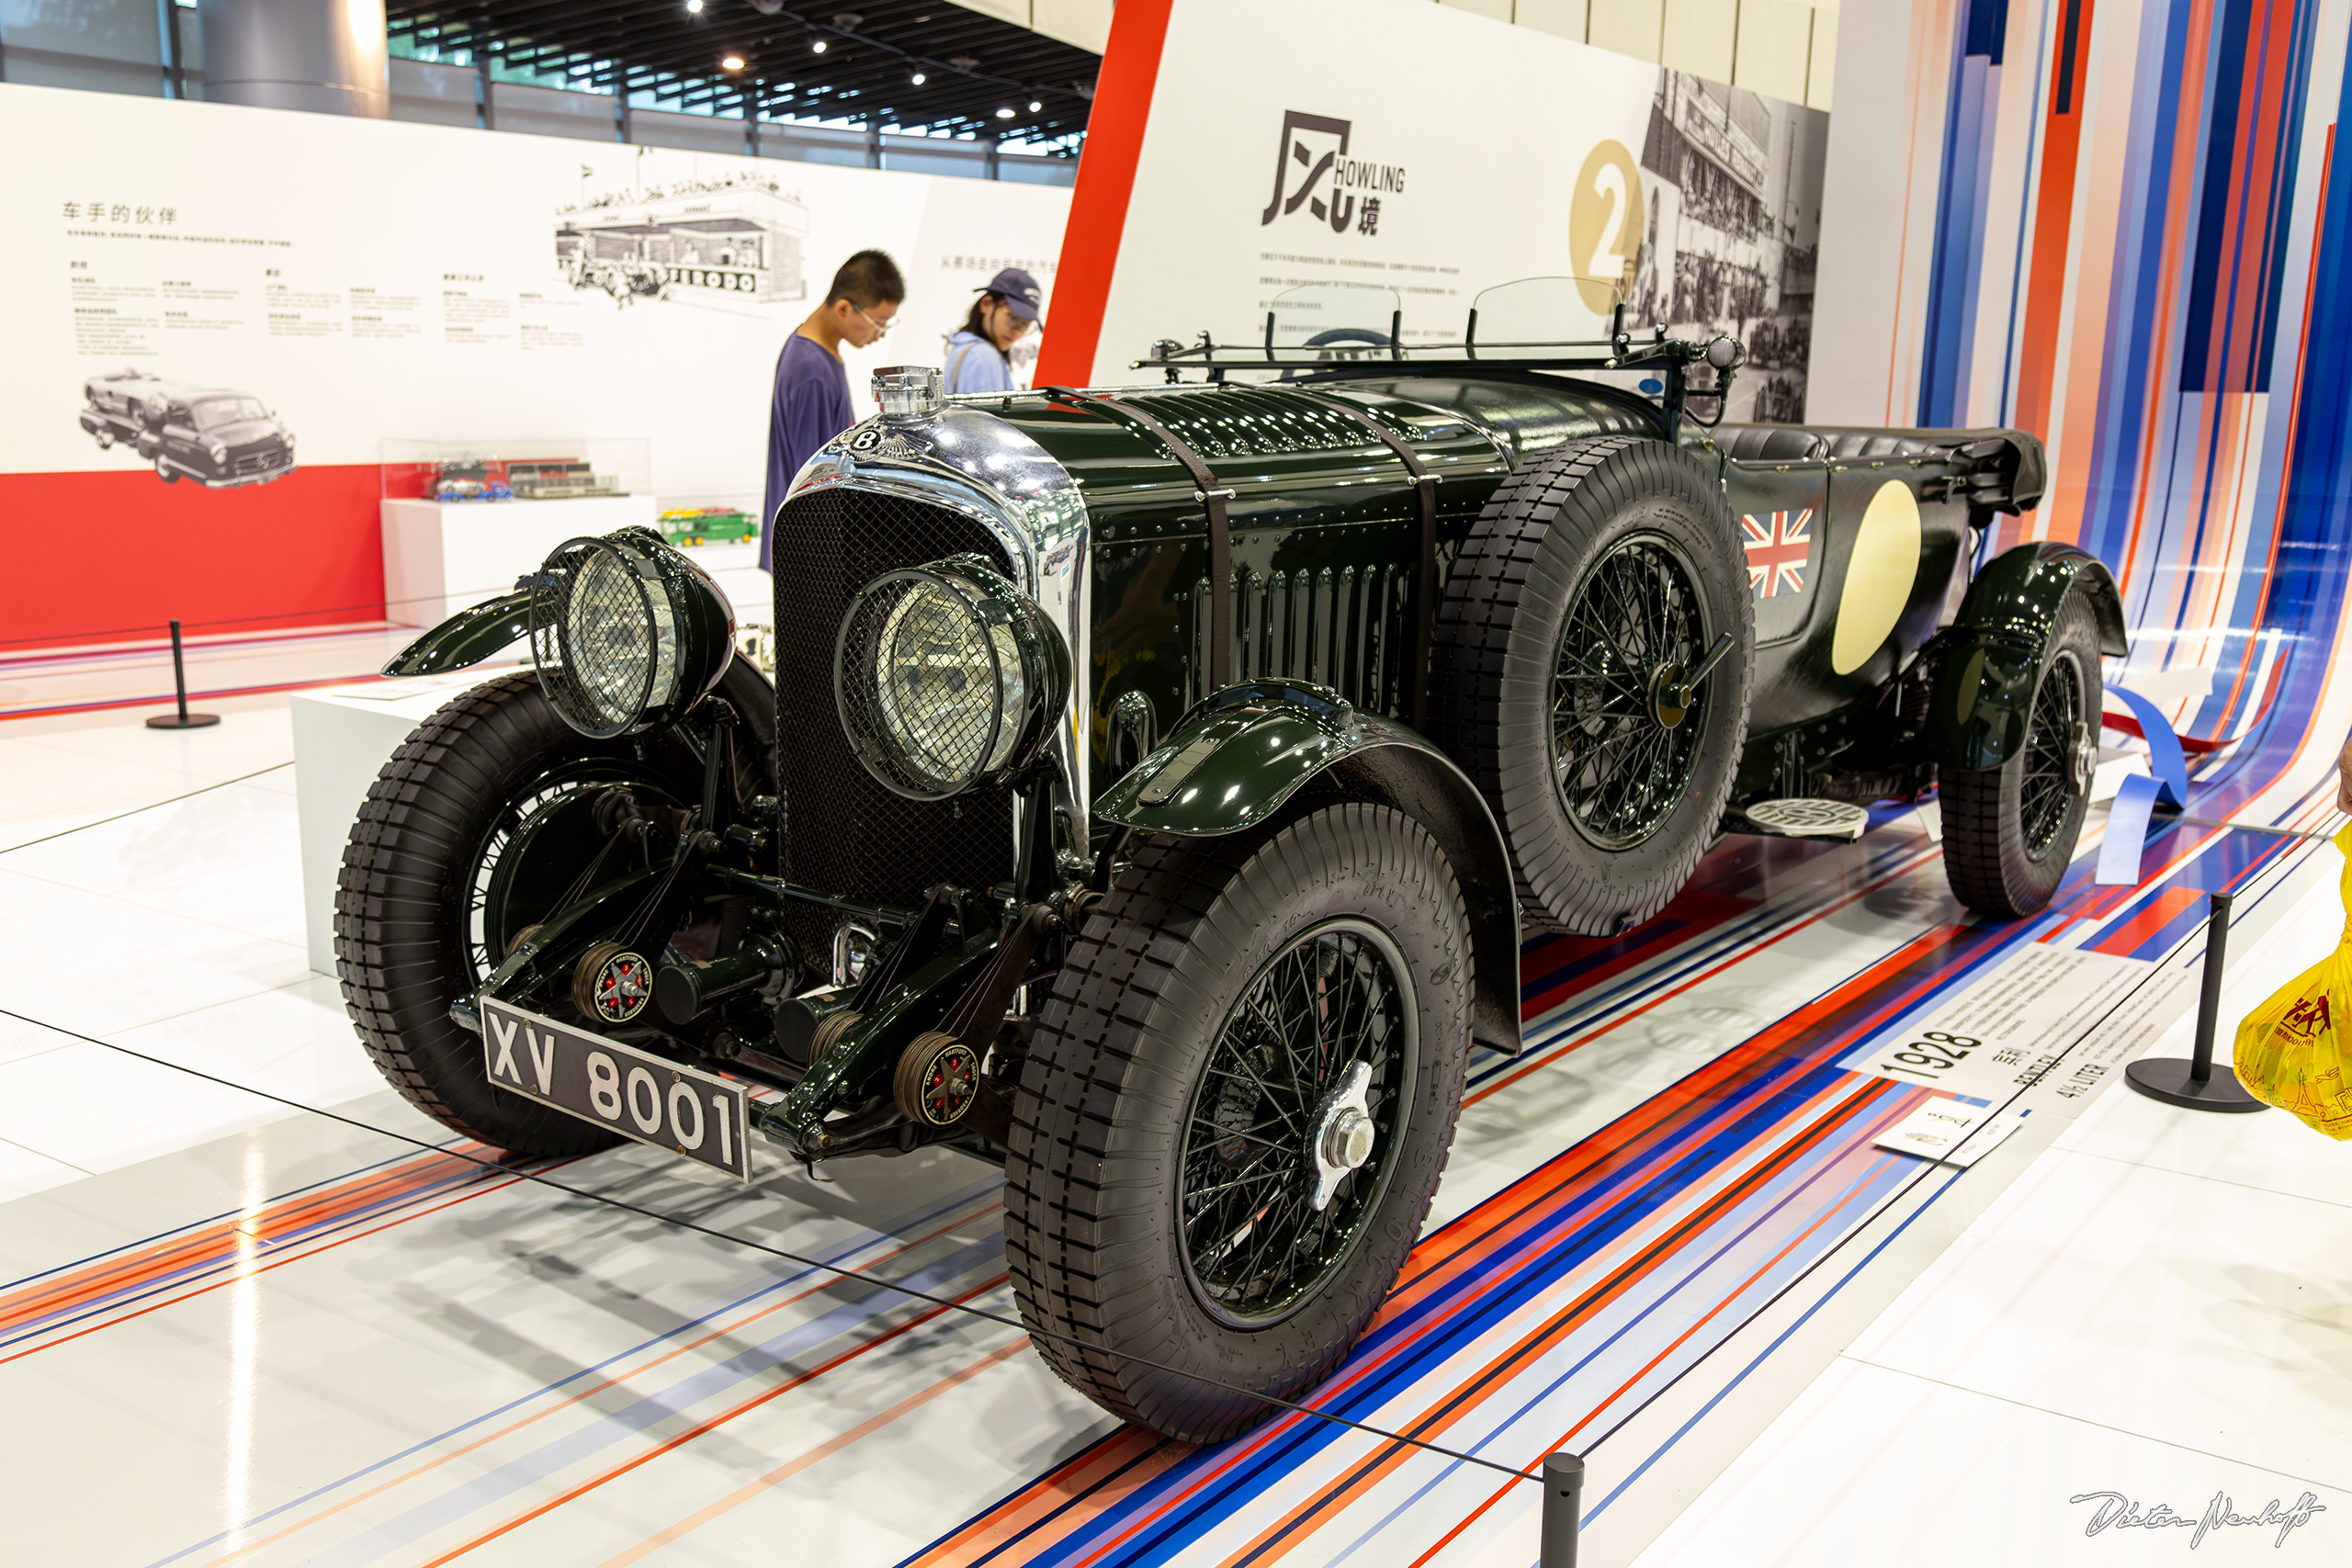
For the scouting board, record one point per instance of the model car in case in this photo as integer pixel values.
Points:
(218, 437)
(1169, 777)
(562, 478)
(707, 525)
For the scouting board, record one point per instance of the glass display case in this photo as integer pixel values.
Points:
(489, 472)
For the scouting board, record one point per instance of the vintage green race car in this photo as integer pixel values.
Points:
(1155, 786)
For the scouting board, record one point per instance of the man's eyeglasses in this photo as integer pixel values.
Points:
(880, 330)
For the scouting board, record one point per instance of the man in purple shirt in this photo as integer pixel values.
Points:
(811, 402)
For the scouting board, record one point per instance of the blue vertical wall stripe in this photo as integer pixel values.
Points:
(2212, 253)
(2133, 327)
(2306, 587)
(2008, 411)
(1960, 214)
(1953, 239)
(2282, 181)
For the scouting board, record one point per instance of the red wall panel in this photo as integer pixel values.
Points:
(107, 558)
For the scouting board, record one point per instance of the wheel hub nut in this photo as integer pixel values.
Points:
(1343, 1134)
(1669, 696)
(1347, 1142)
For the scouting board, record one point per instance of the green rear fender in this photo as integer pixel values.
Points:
(1238, 757)
(1992, 655)
(467, 637)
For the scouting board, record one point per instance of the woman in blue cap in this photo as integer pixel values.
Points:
(979, 353)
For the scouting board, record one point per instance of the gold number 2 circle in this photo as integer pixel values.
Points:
(1608, 196)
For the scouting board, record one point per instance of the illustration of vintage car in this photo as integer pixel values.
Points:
(1170, 775)
(218, 437)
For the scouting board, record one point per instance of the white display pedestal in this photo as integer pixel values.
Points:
(440, 557)
(341, 737)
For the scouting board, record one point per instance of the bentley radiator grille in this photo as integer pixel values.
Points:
(842, 833)
(1342, 628)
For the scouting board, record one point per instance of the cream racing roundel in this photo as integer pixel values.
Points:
(1879, 576)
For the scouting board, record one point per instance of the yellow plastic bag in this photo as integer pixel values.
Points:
(2291, 1049)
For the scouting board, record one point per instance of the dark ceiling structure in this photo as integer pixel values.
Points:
(909, 65)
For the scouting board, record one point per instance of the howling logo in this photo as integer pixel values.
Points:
(1318, 145)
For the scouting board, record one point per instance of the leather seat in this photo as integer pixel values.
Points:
(1847, 444)
(1796, 444)
(1768, 443)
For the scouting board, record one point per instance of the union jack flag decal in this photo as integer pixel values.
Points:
(1777, 548)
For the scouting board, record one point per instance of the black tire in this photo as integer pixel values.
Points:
(1099, 1189)
(2010, 832)
(1514, 692)
(404, 946)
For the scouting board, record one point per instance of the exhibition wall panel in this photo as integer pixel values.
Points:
(2120, 227)
(360, 281)
(1436, 153)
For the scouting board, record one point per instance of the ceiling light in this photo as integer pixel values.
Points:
(1034, 106)
(694, 7)
(733, 63)
(1005, 113)
(817, 48)
(917, 78)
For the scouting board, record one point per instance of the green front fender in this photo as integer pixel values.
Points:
(1238, 759)
(1990, 658)
(467, 637)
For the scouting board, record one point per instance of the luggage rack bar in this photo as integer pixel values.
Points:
(1671, 358)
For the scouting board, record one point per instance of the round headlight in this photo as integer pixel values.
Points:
(946, 677)
(628, 633)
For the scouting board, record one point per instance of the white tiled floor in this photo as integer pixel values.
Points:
(148, 900)
(2160, 1307)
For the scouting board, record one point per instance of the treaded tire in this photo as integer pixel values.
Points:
(1988, 856)
(1499, 627)
(1092, 1180)
(398, 930)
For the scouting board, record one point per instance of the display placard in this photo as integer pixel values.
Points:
(218, 315)
(1439, 154)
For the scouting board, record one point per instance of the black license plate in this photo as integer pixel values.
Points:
(695, 1114)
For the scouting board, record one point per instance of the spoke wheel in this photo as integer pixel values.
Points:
(2010, 832)
(1634, 624)
(539, 847)
(1233, 1111)
(1595, 579)
(2046, 792)
(474, 832)
(1256, 1241)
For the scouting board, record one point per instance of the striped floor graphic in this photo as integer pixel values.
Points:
(1538, 1319)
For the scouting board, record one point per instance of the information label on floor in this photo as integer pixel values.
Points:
(1953, 1134)
(2051, 1021)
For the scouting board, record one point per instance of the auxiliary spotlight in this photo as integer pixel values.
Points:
(694, 7)
(817, 48)
(917, 78)
(1034, 106)
(1005, 113)
(733, 63)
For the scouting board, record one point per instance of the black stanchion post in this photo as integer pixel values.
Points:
(183, 719)
(1562, 1508)
(2195, 1084)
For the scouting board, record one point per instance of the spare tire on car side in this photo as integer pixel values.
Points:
(1596, 579)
